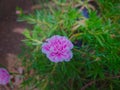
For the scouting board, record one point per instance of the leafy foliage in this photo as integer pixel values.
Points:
(96, 63)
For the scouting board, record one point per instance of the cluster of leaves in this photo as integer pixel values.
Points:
(95, 64)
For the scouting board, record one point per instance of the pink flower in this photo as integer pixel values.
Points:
(18, 12)
(58, 48)
(4, 76)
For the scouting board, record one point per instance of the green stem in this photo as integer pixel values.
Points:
(37, 41)
(46, 83)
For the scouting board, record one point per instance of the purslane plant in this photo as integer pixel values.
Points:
(94, 61)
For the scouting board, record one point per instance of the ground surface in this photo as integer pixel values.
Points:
(11, 32)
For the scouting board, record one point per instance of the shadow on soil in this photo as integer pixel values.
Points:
(11, 31)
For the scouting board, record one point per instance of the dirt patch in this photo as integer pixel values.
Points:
(11, 32)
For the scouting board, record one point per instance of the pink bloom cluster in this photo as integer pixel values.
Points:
(4, 76)
(58, 48)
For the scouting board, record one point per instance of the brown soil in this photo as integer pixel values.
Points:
(11, 32)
